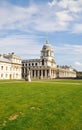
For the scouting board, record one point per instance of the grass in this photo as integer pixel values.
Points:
(46, 105)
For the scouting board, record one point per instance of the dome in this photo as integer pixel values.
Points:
(47, 51)
(47, 46)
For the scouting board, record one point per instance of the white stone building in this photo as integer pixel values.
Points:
(46, 67)
(10, 66)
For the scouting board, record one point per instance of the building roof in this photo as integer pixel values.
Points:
(2, 59)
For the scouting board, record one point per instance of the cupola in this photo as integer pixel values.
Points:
(47, 51)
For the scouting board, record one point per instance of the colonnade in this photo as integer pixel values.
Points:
(40, 73)
(48, 73)
(67, 74)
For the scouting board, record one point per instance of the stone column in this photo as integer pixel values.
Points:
(34, 73)
(24, 72)
(41, 74)
(31, 73)
(50, 73)
(53, 73)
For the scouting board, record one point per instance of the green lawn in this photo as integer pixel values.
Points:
(42, 105)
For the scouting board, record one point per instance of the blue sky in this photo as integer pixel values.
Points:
(25, 24)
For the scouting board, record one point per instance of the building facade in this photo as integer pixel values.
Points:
(46, 67)
(10, 66)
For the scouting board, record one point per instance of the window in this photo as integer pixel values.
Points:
(23, 64)
(48, 53)
(1, 75)
(1, 67)
(36, 64)
(43, 62)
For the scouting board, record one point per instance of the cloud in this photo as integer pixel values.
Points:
(70, 5)
(20, 44)
(44, 17)
(78, 63)
(68, 11)
(77, 28)
(69, 49)
(53, 3)
(68, 54)
(63, 16)
(16, 17)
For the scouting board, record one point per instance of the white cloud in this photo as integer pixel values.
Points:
(69, 49)
(52, 16)
(63, 16)
(78, 49)
(68, 54)
(20, 44)
(70, 5)
(78, 63)
(77, 28)
(16, 17)
(68, 11)
(53, 3)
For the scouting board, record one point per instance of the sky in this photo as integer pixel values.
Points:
(25, 25)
